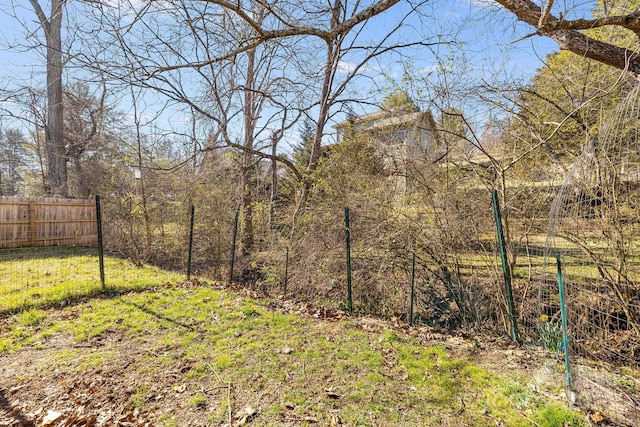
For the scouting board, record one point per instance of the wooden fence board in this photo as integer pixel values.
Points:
(46, 221)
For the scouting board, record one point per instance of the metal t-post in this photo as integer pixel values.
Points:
(193, 209)
(506, 271)
(413, 281)
(233, 245)
(348, 242)
(100, 247)
(565, 334)
(286, 272)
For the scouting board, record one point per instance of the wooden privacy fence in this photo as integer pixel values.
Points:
(45, 221)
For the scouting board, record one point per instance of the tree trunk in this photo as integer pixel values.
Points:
(333, 54)
(54, 129)
(140, 164)
(82, 190)
(329, 72)
(275, 136)
(247, 157)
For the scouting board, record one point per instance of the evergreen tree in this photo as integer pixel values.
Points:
(12, 159)
(302, 151)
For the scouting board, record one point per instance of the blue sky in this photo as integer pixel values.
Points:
(485, 48)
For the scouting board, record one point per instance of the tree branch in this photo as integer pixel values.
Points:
(630, 22)
(568, 36)
(41, 16)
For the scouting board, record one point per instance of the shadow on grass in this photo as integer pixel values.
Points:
(73, 300)
(32, 270)
(47, 252)
(160, 316)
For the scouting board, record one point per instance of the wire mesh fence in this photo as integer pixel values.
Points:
(458, 277)
(595, 226)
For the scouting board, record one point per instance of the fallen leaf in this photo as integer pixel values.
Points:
(334, 421)
(244, 416)
(331, 394)
(51, 417)
(596, 416)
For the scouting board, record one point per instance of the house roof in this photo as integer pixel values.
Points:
(385, 119)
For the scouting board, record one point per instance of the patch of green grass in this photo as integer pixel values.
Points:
(293, 366)
(198, 400)
(31, 317)
(94, 359)
(554, 415)
(167, 420)
(20, 329)
(139, 397)
(198, 372)
(44, 277)
(66, 354)
(5, 345)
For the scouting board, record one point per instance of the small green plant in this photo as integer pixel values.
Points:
(5, 345)
(198, 400)
(550, 336)
(556, 416)
(250, 312)
(167, 420)
(93, 360)
(31, 317)
(198, 372)
(140, 397)
(270, 276)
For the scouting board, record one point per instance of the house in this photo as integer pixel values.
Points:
(399, 136)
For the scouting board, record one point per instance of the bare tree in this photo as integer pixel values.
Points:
(54, 129)
(311, 27)
(85, 120)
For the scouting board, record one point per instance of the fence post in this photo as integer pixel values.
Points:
(233, 245)
(413, 281)
(286, 272)
(100, 247)
(193, 209)
(348, 241)
(565, 336)
(31, 231)
(505, 267)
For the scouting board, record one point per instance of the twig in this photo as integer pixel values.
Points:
(523, 38)
(210, 366)
(544, 17)
(229, 404)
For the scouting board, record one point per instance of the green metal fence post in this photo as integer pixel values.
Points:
(505, 267)
(565, 335)
(286, 272)
(233, 245)
(413, 281)
(100, 246)
(193, 209)
(348, 241)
